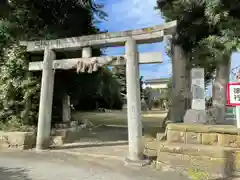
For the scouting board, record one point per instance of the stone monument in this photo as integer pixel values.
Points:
(197, 113)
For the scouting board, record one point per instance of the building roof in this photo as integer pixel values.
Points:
(161, 80)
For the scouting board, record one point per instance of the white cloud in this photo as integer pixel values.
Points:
(135, 14)
(131, 14)
(156, 71)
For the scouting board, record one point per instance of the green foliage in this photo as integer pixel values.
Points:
(99, 87)
(47, 19)
(207, 30)
(16, 125)
(16, 86)
(196, 174)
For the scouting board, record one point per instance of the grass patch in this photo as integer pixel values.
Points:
(197, 174)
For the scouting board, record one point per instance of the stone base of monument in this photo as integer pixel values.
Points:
(195, 116)
(139, 163)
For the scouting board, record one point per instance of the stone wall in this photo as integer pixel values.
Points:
(222, 135)
(27, 140)
(67, 135)
(17, 140)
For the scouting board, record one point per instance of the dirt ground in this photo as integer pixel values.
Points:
(108, 138)
(116, 121)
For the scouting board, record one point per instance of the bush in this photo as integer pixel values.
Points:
(19, 92)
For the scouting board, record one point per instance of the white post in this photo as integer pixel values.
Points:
(46, 98)
(66, 108)
(238, 116)
(133, 102)
(238, 107)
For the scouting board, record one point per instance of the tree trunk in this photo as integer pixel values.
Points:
(179, 83)
(220, 90)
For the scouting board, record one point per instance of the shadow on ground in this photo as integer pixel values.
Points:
(13, 174)
(109, 136)
(109, 133)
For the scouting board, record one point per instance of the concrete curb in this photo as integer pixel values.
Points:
(93, 155)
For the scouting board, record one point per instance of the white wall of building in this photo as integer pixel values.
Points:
(156, 85)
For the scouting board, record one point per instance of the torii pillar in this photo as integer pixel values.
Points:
(46, 100)
(133, 103)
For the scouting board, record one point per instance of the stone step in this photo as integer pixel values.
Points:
(194, 166)
(216, 161)
(150, 148)
(198, 150)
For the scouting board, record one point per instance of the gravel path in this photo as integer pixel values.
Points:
(59, 166)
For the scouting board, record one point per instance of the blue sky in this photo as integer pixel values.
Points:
(134, 14)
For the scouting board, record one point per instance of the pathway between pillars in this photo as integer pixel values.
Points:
(48, 166)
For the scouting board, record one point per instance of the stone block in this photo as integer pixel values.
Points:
(68, 135)
(57, 141)
(4, 143)
(176, 126)
(209, 138)
(175, 136)
(195, 116)
(193, 138)
(19, 140)
(228, 140)
(189, 127)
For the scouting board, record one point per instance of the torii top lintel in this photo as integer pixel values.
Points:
(142, 36)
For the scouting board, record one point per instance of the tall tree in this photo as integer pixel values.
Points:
(191, 28)
(223, 14)
(33, 20)
(206, 33)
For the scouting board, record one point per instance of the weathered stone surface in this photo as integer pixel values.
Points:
(221, 129)
(19, 140)
(193, 138)
(189, 149)
(195, 116)
(68, 135)
(175, 136)
(198, 89)
(57, 141)
(144, 35)
(144, 58)
(228, 140)
(223, 135)
(209, 138)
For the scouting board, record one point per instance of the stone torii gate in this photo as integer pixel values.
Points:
(129, 39)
